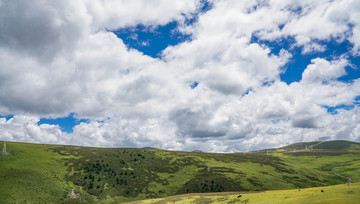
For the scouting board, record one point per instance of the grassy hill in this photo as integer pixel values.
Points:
(326, 145)
(52, 173)
(337, 194)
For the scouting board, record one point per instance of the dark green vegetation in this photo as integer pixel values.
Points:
(49, 173)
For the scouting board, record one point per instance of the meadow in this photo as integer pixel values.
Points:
(36, 173)
(337, 194)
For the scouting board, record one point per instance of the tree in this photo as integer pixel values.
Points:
(91, 185)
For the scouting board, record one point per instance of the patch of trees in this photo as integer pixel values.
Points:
(120, 181)
(206, 186)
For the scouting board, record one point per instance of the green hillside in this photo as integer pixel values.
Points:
(326, 145)
(339, 144)
(300, 145)
(68, 174)
(337, 194)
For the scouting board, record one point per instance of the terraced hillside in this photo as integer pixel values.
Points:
(69, 174)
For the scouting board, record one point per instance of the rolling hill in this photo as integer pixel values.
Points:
(69, 174)
(337, 194)
(325, 145)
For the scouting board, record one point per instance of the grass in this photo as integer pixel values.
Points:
(347, 164)
(338, 194)
(34, 173)
(31, 173)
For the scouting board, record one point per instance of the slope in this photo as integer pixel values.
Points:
(85, 174)
(344, 193)
(325, 145)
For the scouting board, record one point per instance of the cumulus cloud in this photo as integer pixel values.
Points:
(58, 58)
(25, 129)
(323, 70)
(42, 28)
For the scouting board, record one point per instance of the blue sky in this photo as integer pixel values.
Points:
(235, 76)
(66, 123)
(152, 40)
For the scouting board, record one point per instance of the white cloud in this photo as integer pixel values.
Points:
(323, 70)
(25, 129)
(309, 22)
(59, 58)
(115, 14)
(42, 28)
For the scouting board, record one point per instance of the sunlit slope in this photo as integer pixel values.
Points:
(338, 194)
(32, 173)
(325, 145)
(49, 173)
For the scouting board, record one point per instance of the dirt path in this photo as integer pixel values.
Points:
(349, 180)
(73, 194)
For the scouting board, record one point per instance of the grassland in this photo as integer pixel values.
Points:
(34, 173)
(337, 194)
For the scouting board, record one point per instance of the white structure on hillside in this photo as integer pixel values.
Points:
(4, 149)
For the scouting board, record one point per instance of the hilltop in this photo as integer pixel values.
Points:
(56, 173)
(325, 145)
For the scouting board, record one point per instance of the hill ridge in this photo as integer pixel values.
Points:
(341, 144)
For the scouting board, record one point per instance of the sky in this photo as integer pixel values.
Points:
(210, 75)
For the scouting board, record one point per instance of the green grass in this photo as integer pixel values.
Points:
(338, 194)
(347, 165)
(34, 173)
(31, 173)
(325, 145)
